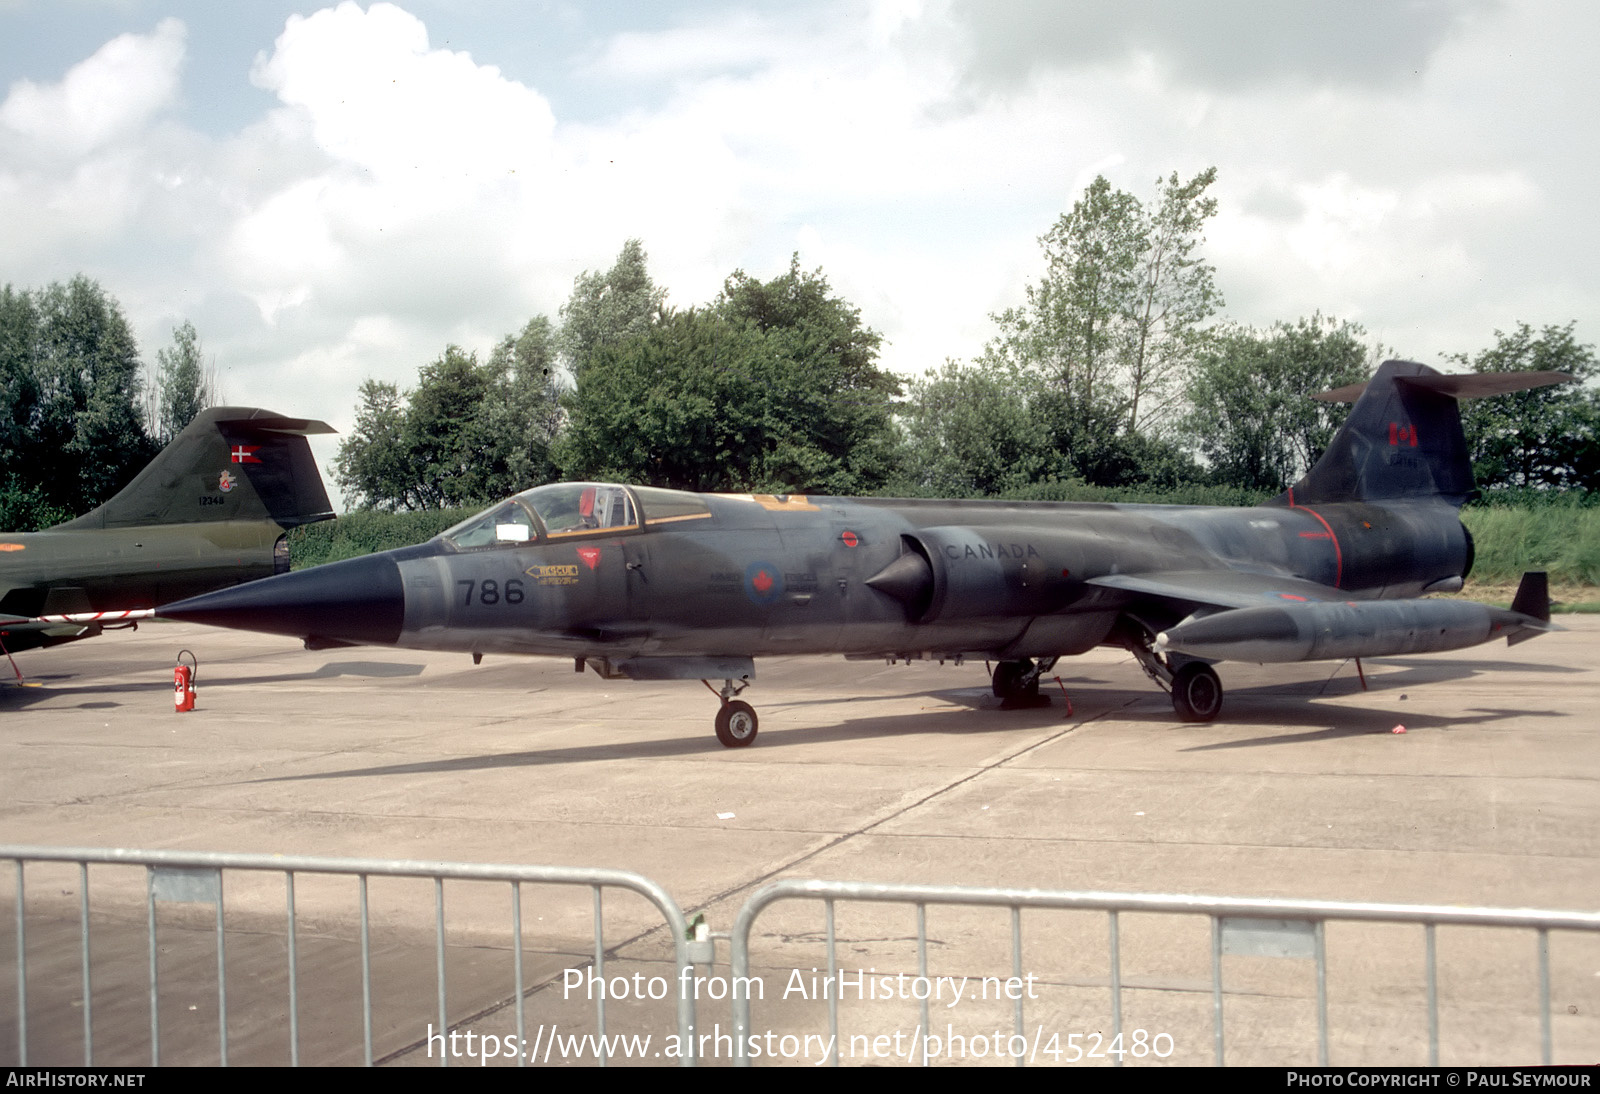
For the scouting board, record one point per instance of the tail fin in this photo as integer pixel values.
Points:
(1533, 596)
(1530, 611)
(1403, 438)
(230, 463)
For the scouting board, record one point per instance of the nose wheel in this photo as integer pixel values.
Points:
(736, 724)
(736, 721)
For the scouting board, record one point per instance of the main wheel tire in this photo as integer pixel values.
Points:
(1196, 692)
(1007, 682)
(736, 724)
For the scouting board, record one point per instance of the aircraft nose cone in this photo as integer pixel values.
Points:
(359, 601)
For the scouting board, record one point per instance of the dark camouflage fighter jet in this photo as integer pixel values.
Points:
(210, 511)
(655, 584)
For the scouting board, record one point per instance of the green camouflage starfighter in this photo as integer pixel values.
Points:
(209, 512)
(649, 583)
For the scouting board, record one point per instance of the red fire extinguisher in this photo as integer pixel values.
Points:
(183, 681)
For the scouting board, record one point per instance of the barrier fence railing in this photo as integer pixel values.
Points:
(1278, 928)
(1273, 928)
(197, 877)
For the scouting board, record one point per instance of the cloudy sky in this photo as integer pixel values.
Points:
(335, 193)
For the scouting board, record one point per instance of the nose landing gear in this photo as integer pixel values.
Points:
(736, 722)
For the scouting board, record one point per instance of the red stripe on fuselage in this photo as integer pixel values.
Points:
(1338, 555)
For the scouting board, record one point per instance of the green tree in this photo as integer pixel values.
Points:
(669, 407)
(1253, 417)
(1069, 335)
(607, 308)
(453, 456)
(20, 500)
(774, 387)
(71, 428)
(182, 388)
(1106, 337)
(372, 468)
(1176, 293)
(468, 433)
(830, 397)
(1544, 439)
(525, 414)
(969, 432)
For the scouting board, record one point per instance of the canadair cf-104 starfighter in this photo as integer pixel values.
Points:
(653, 584)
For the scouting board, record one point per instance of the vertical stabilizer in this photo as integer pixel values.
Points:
(230, 463)
(1403, 438)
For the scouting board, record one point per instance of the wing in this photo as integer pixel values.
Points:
(1221, 588)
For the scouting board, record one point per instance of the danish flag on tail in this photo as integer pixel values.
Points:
(245, 453)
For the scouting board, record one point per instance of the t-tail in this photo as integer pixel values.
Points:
(1403, 438)
(230, 464)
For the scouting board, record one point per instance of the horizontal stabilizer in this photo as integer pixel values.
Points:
(271, 423)
(1472, 385)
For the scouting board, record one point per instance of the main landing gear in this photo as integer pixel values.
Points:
(1196, 692)
(736, 722)
(1195, 687)
(1018, 681)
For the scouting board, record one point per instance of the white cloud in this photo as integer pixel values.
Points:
(379, 99)
(398, 195)
(108, 97)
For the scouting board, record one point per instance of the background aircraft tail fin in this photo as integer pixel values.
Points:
(230, 463)
(1403, 438)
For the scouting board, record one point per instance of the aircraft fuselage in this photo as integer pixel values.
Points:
(763, 576)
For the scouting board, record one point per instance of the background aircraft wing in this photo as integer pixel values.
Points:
(1221, 588)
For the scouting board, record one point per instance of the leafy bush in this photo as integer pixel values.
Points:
(365, 531)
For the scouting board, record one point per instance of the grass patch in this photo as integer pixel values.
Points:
(1562, 541)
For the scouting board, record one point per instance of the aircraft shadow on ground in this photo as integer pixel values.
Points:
(42, 687)
(1092, 700)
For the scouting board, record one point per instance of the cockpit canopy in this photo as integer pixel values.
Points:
(561, 510)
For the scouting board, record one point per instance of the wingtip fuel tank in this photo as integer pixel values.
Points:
(1304, 630)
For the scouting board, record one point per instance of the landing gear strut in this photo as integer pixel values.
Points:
(736, 722)
(1196, 690)
(1018, 681)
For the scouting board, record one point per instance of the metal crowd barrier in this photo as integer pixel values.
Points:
(1281, 928)
(196, 877)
